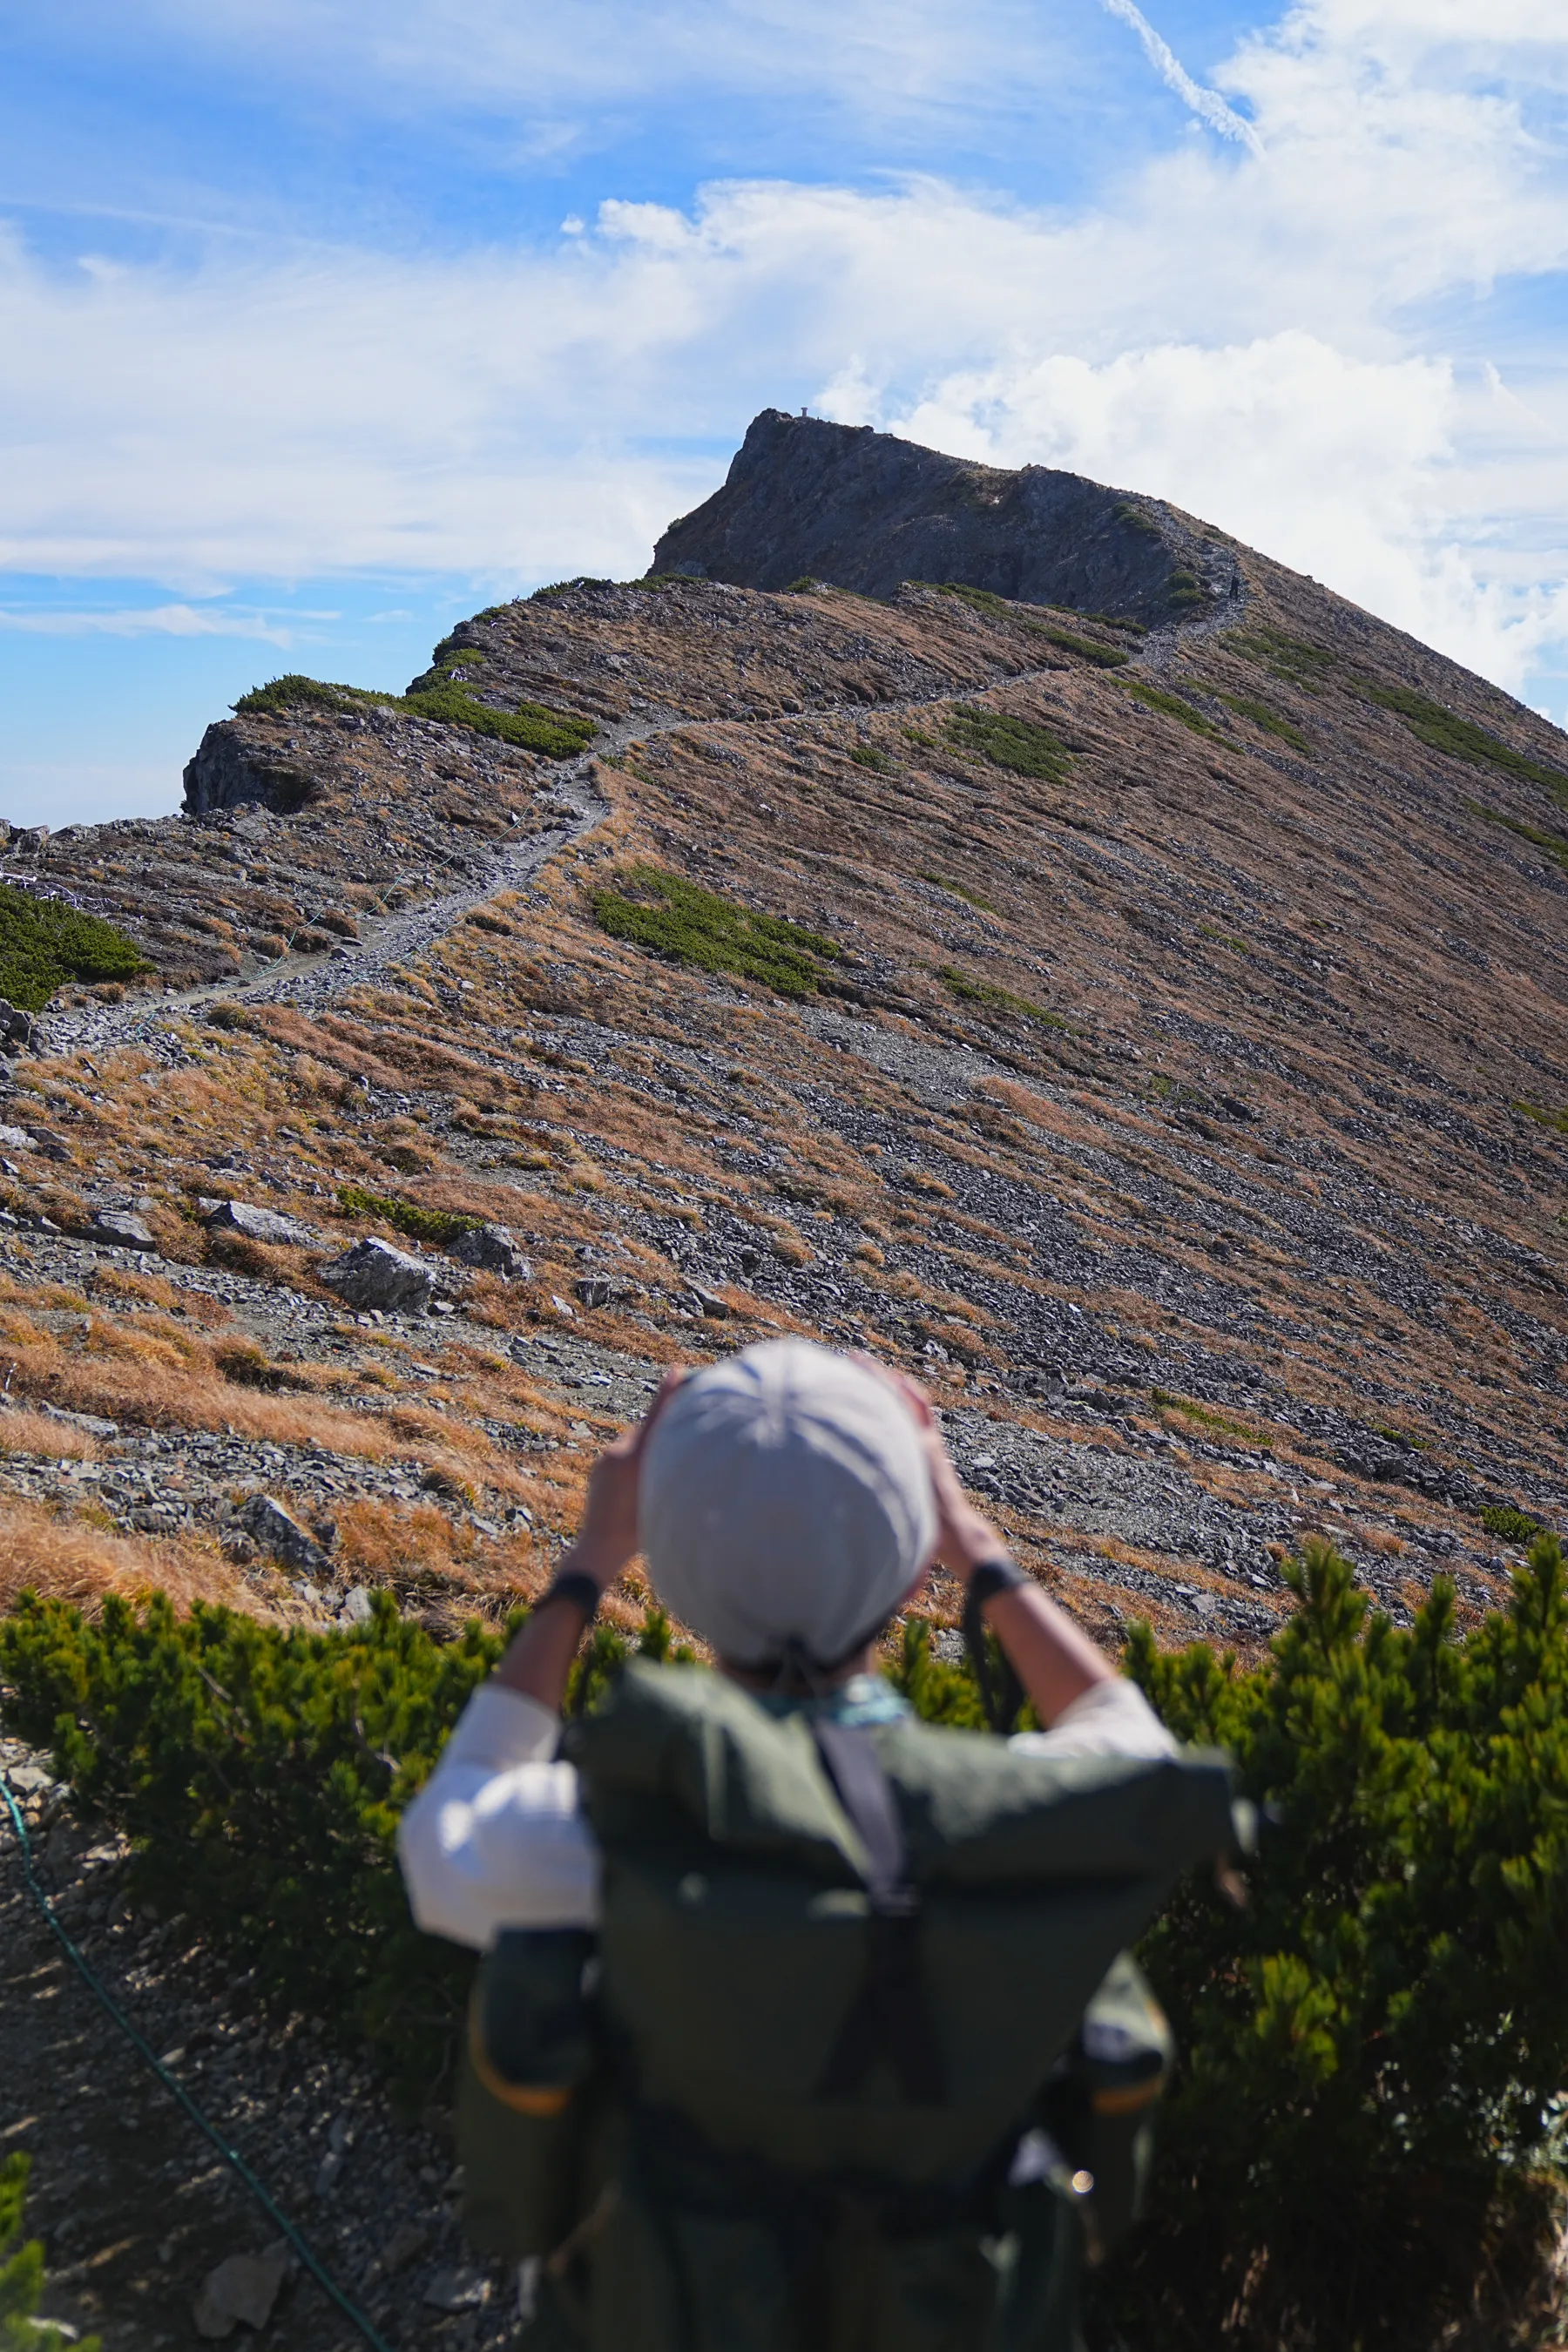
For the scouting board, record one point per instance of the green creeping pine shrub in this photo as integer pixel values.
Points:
(1103, 656)
(865, 755)
(1223, 938)
(997, 608)
(1557, 1120)
(1552, 843)
(22, 2273)
(1294, 659)
(1017, 744)
(1125, 511)
(1445, 731)
(998, 999)
(1158, 697)
(1365, 2129)
(958, 889)
(1183, 589)
(1269, 720)
(1514, 1526)
(554, 734)
(1207, 1418)
(435, 1225)
(44, 943)
(260, 1775)
(679, 918)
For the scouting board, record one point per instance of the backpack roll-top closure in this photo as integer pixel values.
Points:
(835, 1991)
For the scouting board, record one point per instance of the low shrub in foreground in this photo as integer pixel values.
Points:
(1363, 2145)
(1365, 2136)
(22, 2274)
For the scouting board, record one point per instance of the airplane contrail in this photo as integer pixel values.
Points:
(1206, 104)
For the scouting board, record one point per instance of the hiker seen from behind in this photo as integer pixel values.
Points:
(803, 2026)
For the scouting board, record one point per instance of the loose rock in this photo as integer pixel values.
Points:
(276, 1530)
(122, 1229)
(255, 1223)
(372, 1275)
(242, 2288)
(492, 1248)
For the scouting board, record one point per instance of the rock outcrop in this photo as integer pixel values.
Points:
(860, 510)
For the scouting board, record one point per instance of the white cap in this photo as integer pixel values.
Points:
(784, 1498)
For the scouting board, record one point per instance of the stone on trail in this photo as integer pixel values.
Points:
(122, 1229)
(462, 2289)
(358, 1608)
(255, 1223)
(14, 1139)
(493, 1249)
(373, 1276)
(274, 1527)
(243, 2287)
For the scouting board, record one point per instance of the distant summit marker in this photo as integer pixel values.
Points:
(861, 509)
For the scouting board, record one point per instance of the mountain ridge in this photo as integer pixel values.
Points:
(1151, 1032)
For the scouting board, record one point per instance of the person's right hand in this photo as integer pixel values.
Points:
(607, 1537)
(964, 1537)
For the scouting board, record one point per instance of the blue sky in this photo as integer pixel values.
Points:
(325, 322)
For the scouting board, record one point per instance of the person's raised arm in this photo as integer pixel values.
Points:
(1054, 1659)
(538, 1663)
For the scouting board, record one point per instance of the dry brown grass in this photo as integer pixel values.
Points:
(22, 1432)
(414, 1550)
(71, 1559)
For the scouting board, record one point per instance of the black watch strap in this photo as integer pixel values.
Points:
(992, 1577)
(579, 1589)
(1000, 1692)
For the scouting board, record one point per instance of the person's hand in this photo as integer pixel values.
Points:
(607, 1538)
(964, 1537)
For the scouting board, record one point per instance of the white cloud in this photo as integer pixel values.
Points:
(1348, 469)
(1206, 104)
(1289, 343)
(149, 620)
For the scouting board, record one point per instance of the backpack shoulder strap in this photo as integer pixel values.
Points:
(890, 2015)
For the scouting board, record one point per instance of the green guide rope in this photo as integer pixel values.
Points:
(231, 2157)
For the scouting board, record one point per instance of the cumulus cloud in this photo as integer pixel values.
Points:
(1346, 469)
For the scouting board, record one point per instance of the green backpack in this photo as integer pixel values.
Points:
(853, 2064)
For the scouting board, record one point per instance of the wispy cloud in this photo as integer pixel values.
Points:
(1206, 104)
(142, 620)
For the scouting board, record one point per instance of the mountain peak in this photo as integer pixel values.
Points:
(866, 510)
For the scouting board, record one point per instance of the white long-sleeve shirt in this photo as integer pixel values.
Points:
(496, 1838)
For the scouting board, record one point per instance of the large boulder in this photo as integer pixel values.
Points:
(234, 767)
(375, 1278)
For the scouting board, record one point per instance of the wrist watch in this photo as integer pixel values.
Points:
(581, 1590)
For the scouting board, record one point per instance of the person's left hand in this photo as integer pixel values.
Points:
(607, 1538)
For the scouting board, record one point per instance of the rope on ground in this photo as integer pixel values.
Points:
(231, 2157)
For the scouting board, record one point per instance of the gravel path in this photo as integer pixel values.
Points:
(311, 983)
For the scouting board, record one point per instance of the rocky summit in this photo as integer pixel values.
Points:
(985, 918)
